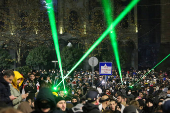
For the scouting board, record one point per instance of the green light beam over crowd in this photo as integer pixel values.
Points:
(114, 23)
(51, 16)
(152, 69)
(108, 14)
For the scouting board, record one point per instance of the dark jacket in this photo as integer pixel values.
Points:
(5, 92)
(45, 94)
(90, 108)
(31, 86)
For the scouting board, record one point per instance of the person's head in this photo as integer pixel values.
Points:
(149, 103)
(134, 103)
(141, 94)
(129, 92)
(120, 98)
(61, 103)
(62, 93)
(75, 100)
(79, 91)
(8, 76)
(18, 80)
(107, 91)
(32, 77)
(45, 101)
(105, 100)
(92, 96)
(141, 103)
(113, 105)
(130, 109)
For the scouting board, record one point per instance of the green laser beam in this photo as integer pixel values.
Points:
(152, 69)
(106, 32)
(51, 16)
(109, 18)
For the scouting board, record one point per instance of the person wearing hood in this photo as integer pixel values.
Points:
(15, 89)
(74, 100)
(92, 103)
(45, 102)
(149, 108)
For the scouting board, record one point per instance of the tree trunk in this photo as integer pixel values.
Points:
(19, 54)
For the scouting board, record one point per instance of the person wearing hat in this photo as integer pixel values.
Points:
(45, 102)
(92, 103)
(61, 104)
(105, 100)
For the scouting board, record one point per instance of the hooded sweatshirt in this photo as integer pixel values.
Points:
(90, 108)
(44, 94)
(15, 89)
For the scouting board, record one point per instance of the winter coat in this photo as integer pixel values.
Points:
(45, 94)
(15, 90)
(5, 92)
(31, 86)
(90, 108)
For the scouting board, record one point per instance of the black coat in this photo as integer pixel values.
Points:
(5, 92)
(90, 108)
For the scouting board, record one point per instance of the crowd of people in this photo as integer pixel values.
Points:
(144, 91)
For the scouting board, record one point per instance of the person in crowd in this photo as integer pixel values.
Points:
(140, 95)
(149, 108)
(121, 100)
(45, 102)
(114, 107)
(5, 95)
(130, 109)
(25, 107)
(15, 89)
(141, 105)
(105, 101)
(79, 91)
(61, 104)
(130, 95)
(31, 87)
(74, 100)
(92, 103)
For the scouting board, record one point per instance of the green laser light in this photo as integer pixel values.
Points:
(108, 13)
(51, 16)
(65, 92)
(152, 68)
(55, 88)
(108, 30)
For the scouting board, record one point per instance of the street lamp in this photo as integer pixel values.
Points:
(54, 63)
